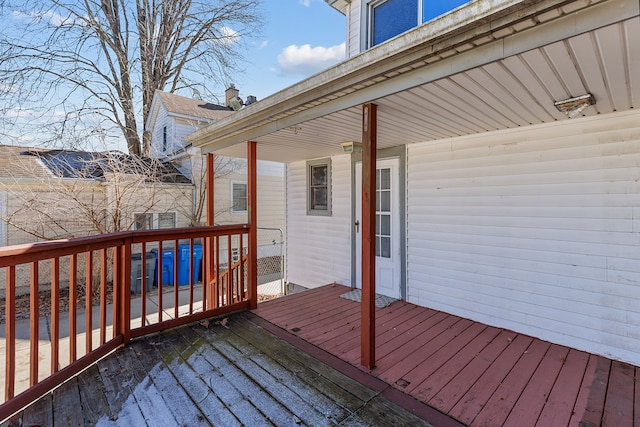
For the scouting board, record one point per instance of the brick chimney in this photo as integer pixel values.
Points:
(231, 93)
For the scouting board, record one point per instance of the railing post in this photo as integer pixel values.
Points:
(252, 265)
(124, 314)
(208, 287)
(368, 321)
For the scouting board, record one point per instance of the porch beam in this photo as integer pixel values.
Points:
(252, 204)
(368, 321)
(211, 286)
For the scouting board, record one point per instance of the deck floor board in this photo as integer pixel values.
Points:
(478, 375)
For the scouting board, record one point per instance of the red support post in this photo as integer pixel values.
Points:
(368, 321)
(252, 264)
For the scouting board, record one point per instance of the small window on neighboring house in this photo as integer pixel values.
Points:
(164, 139)
(143, 221)
(319, 187)
(167, 220)
(239, 197)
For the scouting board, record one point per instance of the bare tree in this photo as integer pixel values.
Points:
(90, 68)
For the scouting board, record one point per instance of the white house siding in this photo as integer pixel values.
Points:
(353, 29)
(319, 247)
(536, 230)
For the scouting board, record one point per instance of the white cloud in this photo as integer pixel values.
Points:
(229, 35)
(305, 3)
(306, 60)
(54, 19)
(264, 44)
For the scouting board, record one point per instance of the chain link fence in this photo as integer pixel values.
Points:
(270, 263)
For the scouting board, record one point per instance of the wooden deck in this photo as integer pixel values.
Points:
(221, 372)
(477, 374)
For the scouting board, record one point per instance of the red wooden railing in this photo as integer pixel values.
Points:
(90, 330)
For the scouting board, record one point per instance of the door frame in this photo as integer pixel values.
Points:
(399, 152)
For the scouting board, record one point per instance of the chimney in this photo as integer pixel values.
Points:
(231, 93)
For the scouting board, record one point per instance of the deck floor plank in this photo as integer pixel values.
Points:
(422, 348)
(498, 407)
(527, 409)
(593, 392)
(39, 414)
(562, 399)
(618, 408)
(92, 395)
(461, 382)
(67, 409)
(477, 396)
(115, 378)
(453, 364)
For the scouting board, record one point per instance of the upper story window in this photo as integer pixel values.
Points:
(150, 220)
(388, 18)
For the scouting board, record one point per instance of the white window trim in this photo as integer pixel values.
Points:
(319, 162)
(232, 201)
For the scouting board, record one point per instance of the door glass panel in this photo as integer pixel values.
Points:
(383, 212)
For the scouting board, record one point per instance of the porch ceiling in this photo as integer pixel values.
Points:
(474, 88)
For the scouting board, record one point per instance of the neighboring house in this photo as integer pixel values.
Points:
(50, 194)
(173, 117)
(508, 138)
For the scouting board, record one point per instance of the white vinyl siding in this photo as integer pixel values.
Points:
(533, 230)
(353, 29)
(319, 247)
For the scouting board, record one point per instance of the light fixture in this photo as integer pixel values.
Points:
(351, 147)
(572, 107)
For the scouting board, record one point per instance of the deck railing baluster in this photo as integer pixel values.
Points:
(103, 295)
(88, 312)
(73, 297)
(34, 325)
(55, 314)
(10, 333)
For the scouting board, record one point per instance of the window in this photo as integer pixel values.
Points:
(167, 220)
(319, 187)
(164, 139)
(392, 17)
(383, 213)
(388, 18)
(239, 197)
(143, 221)
(148, 221)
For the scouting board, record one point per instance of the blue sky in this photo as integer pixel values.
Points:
(299, 39)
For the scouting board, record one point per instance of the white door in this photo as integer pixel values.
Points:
(387, 227)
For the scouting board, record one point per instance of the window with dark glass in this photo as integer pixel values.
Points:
(164, 138)
(167, 220)
(434, 8)
(388, 18)
(392, 17)
(319, 187)
(239, 197)
(143, 221)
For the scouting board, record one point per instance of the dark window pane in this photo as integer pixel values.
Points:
(385, 225)
(319, 175)
(434, 8)
(239, 197)
(385, 179)
(319, 198)
(385, 247)
(167, 220)
(392, 18)
(143, 221)
(385, 201)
